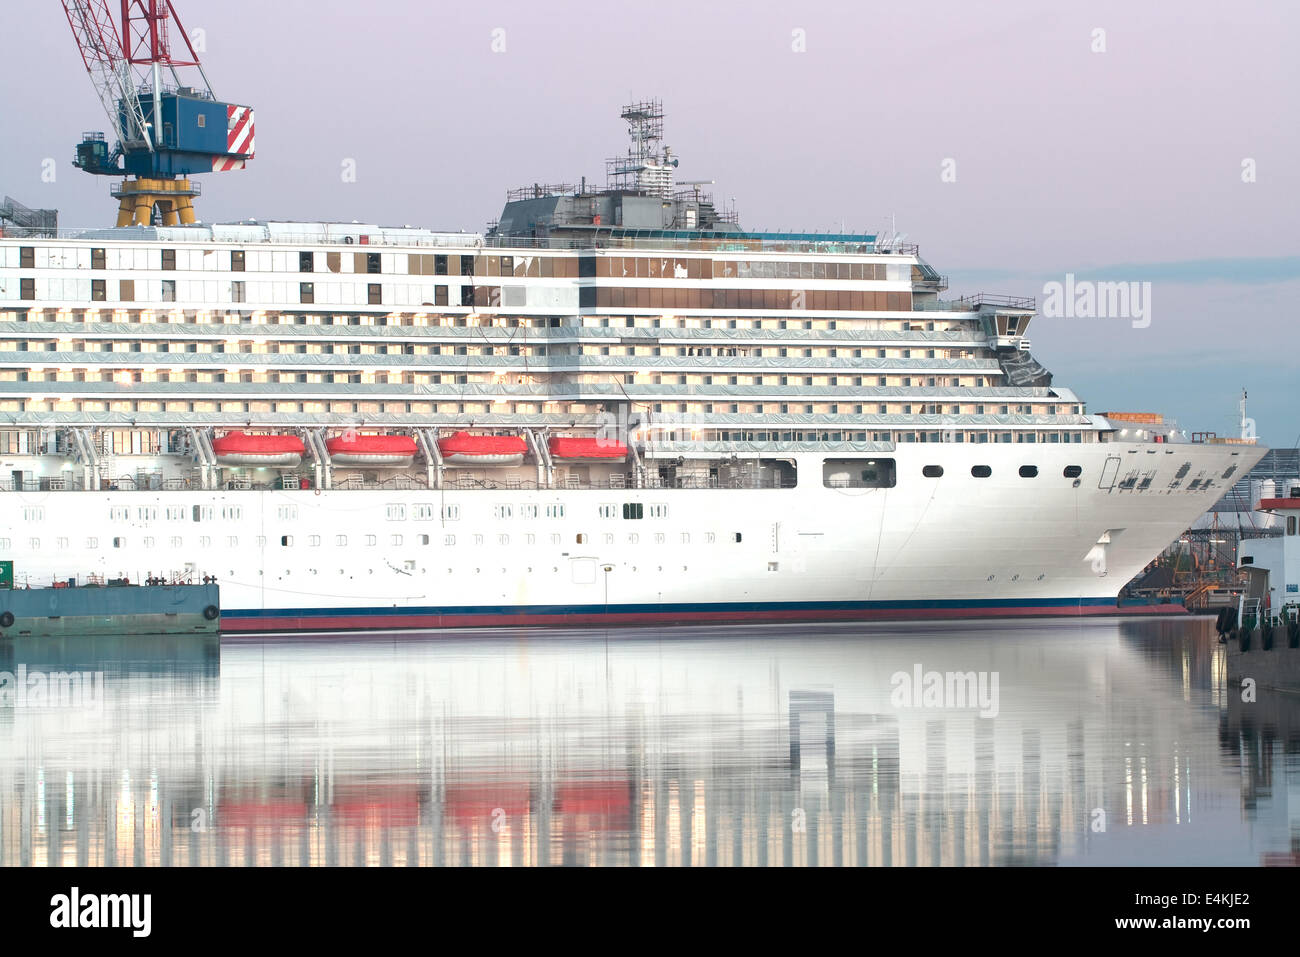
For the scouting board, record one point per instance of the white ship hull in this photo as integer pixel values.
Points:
(953, 546)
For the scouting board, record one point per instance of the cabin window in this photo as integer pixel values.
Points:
(395, 513)
(608, 510)
(169, 259)
(450, 513)
(1029, 471)
(1072, 471)
(633, 510)
(374, 294)
(306, 292)
(237, 260)
(372, 263)
(736, 537)
(932, 471)
(980, 471)
(286, 540)
(580, 538)
(395, 540)
(1290, 524)
(306, 262)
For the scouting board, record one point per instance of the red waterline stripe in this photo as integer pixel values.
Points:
(327, 622)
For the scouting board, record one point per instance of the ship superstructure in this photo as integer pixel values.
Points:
(614, 403)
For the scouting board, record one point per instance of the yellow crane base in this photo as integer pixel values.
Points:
(138, 197)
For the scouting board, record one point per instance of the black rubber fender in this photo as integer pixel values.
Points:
(6, 619)
(211, 612)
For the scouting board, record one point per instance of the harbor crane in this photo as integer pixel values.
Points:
(161, 133)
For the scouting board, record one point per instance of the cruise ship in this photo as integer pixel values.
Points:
(614, 405)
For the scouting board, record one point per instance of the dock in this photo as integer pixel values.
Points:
(96, 610)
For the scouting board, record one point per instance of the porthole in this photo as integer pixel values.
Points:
(980, 471)
(1029, 471)
(932, 471)
(1073, 471)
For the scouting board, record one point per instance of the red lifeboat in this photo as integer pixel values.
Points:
(568, 448)
(387, 451)
(462, 448)
(277, 451)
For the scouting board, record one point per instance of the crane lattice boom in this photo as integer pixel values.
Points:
(97, 38)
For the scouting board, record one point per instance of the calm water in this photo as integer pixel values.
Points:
(1113, 743)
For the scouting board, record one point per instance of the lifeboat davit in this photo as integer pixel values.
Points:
(568, 448)
(277, 451)
(389, 451)
(462, 448)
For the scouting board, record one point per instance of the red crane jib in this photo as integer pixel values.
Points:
(140, 34)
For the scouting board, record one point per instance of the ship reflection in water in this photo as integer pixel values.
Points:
(1079, 743)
